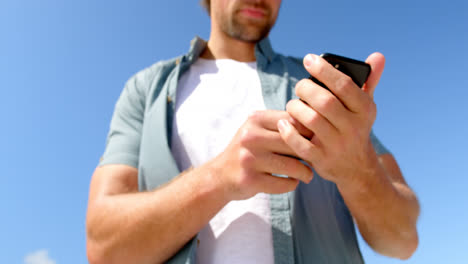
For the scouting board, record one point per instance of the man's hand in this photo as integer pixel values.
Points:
(119, 217)
(255, 153)
(340, 150)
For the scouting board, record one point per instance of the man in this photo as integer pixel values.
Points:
(205, 114)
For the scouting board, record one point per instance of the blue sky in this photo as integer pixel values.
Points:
(63, 65)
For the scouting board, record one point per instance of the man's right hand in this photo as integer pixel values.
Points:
(256, 152)
(119, 217)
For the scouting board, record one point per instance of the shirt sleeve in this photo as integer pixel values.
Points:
(123, 139)
(380, 149)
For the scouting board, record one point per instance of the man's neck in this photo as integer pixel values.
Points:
(221, 46)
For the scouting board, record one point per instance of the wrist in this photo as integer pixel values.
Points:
(367, 177)
(215, 182)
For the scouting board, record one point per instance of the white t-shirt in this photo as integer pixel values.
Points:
(214, 98)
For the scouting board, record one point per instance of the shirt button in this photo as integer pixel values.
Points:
(169, 99)
(198, 242)
(177, 61)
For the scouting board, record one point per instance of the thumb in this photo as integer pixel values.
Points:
(377, 63)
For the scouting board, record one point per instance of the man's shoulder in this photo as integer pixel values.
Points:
(162, 67)
(152, 77)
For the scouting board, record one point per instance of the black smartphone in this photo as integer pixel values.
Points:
(357, 70)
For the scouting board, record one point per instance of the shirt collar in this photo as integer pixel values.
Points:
(263, 49)
(197, 45)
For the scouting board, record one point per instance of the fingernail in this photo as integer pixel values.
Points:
(309, 59)
(282, 125)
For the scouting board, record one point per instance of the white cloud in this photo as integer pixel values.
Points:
(38, 257)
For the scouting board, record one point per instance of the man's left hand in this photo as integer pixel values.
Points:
(340, 149)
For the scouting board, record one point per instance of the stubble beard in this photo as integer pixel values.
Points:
(246, 30)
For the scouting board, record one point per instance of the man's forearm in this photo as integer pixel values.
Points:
(385, 210)
(150, 227)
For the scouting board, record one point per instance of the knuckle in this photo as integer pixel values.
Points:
(290, 105)
(328, 102)
(293, 106)
(246, 158)
(343, 83)
(247, 136)
(297, 170)
(312, 119)
(305, 150)
(301, 87)
(255, 117)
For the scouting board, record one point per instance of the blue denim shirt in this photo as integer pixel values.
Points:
(309, 225)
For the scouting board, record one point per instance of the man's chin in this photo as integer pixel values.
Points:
(250, 39)
(251, 34)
